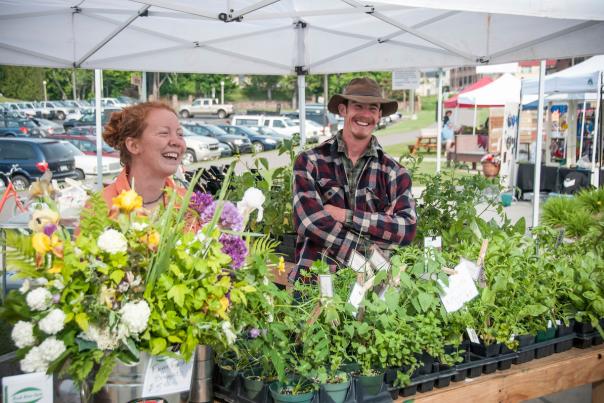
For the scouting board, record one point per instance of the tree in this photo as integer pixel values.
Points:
(24, 83)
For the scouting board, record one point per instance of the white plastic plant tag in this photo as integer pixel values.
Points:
(356, 295)
(469, 267)
(472, 334)
(36, 387)
(357, 262)
(378, 261)
(460, 290)
(549, 323)
(165, 375)
(326, 285)
(433, 242)
(558, 322)
(512, 337)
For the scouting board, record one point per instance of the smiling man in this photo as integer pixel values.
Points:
(348, 194)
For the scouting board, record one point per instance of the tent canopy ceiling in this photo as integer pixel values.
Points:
(580, 78)
(286, 36)
(453, 101)
(501, 91)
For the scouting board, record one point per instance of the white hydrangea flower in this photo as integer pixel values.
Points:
(23, 334)
(227, 329)
(139, 226)
(253, 199)
(135, 316)
(53, 323)
(39, 299)
(25, 286)
(112, 241)
(51, 349)
(34, 362)
(103, 338)
(58, 284)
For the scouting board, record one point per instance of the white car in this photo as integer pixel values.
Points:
(199, 148)
(87, 164)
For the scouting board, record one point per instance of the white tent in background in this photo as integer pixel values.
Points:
(580, 78)
(503, 90)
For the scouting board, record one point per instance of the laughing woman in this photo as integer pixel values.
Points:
(151, 145)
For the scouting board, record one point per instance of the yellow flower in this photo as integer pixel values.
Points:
(151, 238)
(224, 305)
(41, 218)
(56, 268)
(41, 243)
(128, 200)
(281, 266)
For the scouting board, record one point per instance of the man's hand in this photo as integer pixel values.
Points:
(338, 214)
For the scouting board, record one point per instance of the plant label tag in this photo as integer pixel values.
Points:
(512, 337)
(549, 323)
(357, 262)
(473, 336)
(460, 290)
(470, 267)
(356, 295)
(166, 375)
(433, 242)
(35, 387)
(326, 285)
(378, 261)
(558, 322)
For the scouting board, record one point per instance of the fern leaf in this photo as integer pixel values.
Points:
(263, 245)
(20, 252)
(95, 216)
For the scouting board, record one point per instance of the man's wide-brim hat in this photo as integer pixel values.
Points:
(366, 91)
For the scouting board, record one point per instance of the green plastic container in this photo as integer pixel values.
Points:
(337, 391)
(372, 384)
(252, 387)
(275, 389)
(506, 199)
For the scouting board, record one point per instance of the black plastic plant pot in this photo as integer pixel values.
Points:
(483, 350)
(525, 340)
(545, 351)
(350, 367)
(390, 375)
(426, 386)
(563, 346)
(252, 387)
(227, 377)
(597, 339)
(583, 327)
(459, 376)
(564, 330)
(408, 390)
(426, 361)
(544, 335)
(505, 364)
(443, 381)
(489, 368)
(583, 340)
(524, 356)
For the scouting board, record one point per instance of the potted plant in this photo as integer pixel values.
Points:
(491, 163)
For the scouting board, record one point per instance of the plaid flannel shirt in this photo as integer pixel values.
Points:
(384, 214)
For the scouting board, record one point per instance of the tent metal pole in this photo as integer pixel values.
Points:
(595, 172)
(539, 146)
(302, 108)
(301, 70)
(582, 126)
(98, 77)
(474, 124)
(439, 118)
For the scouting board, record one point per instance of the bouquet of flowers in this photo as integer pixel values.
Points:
(493, 158)
(130, 281)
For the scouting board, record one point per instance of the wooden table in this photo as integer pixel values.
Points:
(536, 378)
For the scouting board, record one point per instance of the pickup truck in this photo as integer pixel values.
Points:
(206, 106)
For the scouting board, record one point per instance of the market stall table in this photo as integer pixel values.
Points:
(533, 379)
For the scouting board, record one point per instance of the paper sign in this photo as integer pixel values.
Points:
(357, 262)
(470, 267)
(460, 290)
(356, 295)
(473, 336)
(326, 284)
(167, 375)
(36, 387)
(434, 242)
(378, 261)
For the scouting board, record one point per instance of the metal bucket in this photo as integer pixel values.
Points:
(201, 381)
(126, 383)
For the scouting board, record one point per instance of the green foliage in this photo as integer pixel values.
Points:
(20, 252)
(24, 83)
(95, 216)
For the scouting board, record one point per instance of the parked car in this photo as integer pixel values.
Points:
(82, 131)
(34, 157)
(199, 148)
(89, 119)
(280, 124)
(112, 103)
(317, 113)
(225, 149)
(87, 144)
(238, 144)
(87, 164)
(48, 127)
(24, 109)
(80, 108)
(205, 106)
(259, 142)
(19, 128)
(313, 130)
(57, 109)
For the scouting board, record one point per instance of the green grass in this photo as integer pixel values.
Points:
(424, 119)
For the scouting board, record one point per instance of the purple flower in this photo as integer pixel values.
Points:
(230, 217)
(56, 298)
(49, 229)
(204, 204)
(254, 333)
(235, 247)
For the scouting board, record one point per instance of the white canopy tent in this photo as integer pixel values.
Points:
(293, 36)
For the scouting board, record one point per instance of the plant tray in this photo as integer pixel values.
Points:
(563, 346)
(383, 396)
(565, 330)
(583, 327)
(586, 340)
(444, 378)
(482, 350)
(422, 383)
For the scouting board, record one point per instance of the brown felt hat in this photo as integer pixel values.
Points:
(366, 91)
